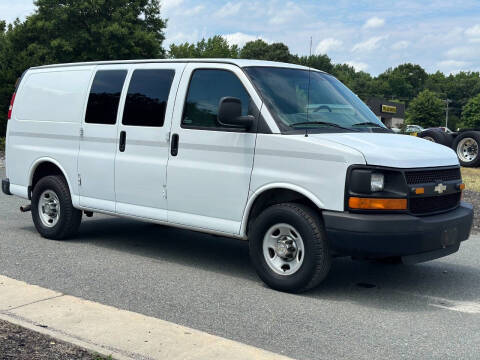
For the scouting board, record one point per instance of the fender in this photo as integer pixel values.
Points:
(262, 189)
(41, 160)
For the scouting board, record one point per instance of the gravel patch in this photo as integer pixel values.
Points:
(473, 197)
(18, 343)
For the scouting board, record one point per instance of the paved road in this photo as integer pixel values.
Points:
(428, 311)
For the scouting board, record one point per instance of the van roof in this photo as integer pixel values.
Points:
(237, 62)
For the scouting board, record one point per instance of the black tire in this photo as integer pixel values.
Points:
(69, 218)
(316, 258)
(437, 136)
(458, 145)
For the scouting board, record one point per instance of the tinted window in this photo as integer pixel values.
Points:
(147, 97)
(104, 97)
(206, 89)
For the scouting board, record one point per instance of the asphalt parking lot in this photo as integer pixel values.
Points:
(362, 311)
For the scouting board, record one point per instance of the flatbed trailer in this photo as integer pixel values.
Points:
(464, 142)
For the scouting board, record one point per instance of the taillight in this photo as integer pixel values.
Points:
(10, 108)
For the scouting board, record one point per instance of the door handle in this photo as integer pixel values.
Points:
(123, 140)
(174, 145)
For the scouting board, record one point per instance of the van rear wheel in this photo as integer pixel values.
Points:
(52, 211)
(288, 248)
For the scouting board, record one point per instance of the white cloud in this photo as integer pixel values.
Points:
(357, 65)
(451, 63)
(228, 9)
(453, 66)
(473, 31)
(328, 44)
(170, 4)
(370, 44)
(400, 45)
(194, 11)
(463, 52)
(240, 38)
(282, 13)
(374, 22)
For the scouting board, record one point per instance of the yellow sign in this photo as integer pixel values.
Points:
(389, 109)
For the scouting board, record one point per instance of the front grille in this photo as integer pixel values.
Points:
(431, 176)
(431, 204)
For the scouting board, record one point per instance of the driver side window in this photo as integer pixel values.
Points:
(206, 88)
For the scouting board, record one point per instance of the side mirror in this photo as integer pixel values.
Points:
(230, 114)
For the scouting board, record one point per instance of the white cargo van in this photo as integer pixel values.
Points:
(280, 155)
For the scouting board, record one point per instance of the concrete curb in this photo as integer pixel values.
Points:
(108, 331)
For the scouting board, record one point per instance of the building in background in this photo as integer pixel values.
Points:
(392, 114)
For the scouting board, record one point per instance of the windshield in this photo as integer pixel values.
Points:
(328, 105)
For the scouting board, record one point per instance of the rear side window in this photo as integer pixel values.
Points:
(104, 97)
(147, 97)
(207, 87)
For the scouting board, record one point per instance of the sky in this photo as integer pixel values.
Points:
(369, 35)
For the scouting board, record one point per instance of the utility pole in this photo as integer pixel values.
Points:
(448, 101)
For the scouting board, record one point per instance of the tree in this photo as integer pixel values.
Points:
(214, 47)
(82, 30)
(427, 110)
(257, 49)
(320, 62)
(260, 50)
(79, 30)
(471, 113)
(405, 81)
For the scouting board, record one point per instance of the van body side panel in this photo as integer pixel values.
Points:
(45, 125)
(317, 167)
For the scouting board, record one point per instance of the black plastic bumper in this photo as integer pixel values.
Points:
(6, 187)
(384, 235)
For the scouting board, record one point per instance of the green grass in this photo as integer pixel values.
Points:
(99, 357)
(471, 178)
(2, 144)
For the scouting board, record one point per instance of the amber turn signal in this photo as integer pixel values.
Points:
(377, 204)
(419, 191)
(461, 186)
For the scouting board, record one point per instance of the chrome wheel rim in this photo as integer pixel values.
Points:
(283, 249)
(429, 138)
(49, 208)
(467, 149)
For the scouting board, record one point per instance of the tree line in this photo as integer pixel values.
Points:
(86, 30)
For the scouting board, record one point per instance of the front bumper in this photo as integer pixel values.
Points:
(6, 187)
(384, 235)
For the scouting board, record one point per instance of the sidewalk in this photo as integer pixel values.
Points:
(110, 331)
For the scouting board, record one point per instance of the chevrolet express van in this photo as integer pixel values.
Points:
(281, 155)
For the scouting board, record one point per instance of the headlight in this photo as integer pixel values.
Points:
(377, 182)
(375, 188)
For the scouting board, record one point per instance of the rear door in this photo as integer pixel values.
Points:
(210, 165)
(143, 135)
(98, 141)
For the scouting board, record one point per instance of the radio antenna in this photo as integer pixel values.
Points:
(308, 89)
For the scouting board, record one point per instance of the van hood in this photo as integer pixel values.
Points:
(394, 150)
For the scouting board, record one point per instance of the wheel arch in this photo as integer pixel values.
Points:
(276, 193)
(43, 167)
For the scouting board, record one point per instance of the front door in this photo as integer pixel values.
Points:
(142, 151)
(210, 165)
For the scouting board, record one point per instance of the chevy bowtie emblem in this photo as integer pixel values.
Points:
(440, 188)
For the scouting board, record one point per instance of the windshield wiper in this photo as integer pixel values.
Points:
(369, 123)
(322, 123)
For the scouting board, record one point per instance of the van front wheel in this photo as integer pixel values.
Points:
(52, 211)
(288, 248)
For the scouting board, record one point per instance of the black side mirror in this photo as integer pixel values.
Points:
(230, 114)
